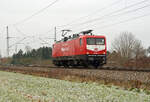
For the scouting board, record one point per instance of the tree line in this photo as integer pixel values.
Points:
(28, 57)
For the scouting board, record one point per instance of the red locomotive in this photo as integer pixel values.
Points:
(82, 49)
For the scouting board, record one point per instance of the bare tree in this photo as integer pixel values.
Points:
(127, 46)
(148, 50)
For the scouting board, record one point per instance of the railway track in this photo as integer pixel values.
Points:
(100, 68)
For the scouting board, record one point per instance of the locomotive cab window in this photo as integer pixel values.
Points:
(80, 41)
(90, 41)
(95, 41)
(100, 41)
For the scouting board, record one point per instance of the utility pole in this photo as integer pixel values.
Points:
(7, 41)
(55, 35)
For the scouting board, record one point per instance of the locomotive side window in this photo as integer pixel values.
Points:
(80, 41)
(95, 41)
(100, 41)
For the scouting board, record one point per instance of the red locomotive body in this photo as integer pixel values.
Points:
(80, 50)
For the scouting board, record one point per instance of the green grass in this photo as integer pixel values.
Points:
(16, 87)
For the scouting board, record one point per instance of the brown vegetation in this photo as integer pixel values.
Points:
(114, 60)
(143, 62)
(128, 52)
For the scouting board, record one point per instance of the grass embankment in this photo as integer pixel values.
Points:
(16, 87)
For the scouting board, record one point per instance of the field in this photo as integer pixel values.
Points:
(15, 87)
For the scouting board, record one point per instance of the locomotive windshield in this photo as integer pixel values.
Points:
(95, 41)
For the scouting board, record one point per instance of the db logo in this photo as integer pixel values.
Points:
(96, 49)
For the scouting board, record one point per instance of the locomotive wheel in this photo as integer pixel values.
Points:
(85, 64)
(96, 67)
(96, 64)
(71, 63)
(65, 64)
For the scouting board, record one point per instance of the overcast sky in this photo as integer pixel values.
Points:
(105, 17)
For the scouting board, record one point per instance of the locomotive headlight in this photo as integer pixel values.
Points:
(87, 53)
(104, 53)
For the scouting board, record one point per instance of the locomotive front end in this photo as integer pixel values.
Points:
(96, 50)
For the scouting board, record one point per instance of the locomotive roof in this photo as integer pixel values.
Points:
(78, 36)
(92, 36)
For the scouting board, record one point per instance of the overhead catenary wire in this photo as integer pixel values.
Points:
(2, 31)
(36, 13)
(99, 18)
(19, 31)
(124, 21)
(17, 42)
(122, 14)
(26, 19)
(43, 41)
(25, 36)
(128, 6)
(99, 10)
(49, 31)
(50, 5)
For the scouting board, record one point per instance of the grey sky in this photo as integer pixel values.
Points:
(40, 27)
